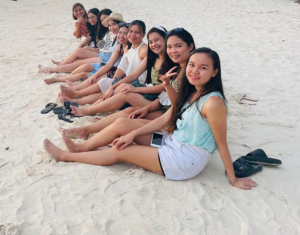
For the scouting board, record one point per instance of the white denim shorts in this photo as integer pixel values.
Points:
(180, 161)
(104, 84)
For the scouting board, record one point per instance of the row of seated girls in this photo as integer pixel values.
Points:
(167, 86)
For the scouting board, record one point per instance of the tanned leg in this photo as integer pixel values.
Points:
(132, 154)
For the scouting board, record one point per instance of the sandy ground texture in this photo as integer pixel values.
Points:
(258, 42)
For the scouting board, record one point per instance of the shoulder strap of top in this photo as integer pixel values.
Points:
(142, 43)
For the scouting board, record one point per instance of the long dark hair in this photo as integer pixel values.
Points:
(151, 56)
(102, 30)
(93, 28)
(78, 5)
(184, 36)
(186, 89)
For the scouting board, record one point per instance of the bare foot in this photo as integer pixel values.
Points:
(43, 69)
(50, 80)
(73, 148)
(71, 84)
(96, 119)
(64, 98)
(68, 92)
(75, 133)
(55, 62)
(54, 151)
(80, 112)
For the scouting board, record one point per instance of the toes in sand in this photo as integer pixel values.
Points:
(49, 80)
(76, 133)
(54, 151)
(55, 62)
(67, 91)
(69, 143)
(44, 69)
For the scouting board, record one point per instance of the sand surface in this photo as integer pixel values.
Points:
(258, 42)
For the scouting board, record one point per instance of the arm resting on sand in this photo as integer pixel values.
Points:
(215, 111)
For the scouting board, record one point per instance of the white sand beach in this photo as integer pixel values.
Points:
(258, 43)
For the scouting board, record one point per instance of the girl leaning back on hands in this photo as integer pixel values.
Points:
(196, 126)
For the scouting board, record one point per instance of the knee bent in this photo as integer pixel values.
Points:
(120, 122)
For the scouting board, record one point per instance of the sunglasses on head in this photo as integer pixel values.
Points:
(175, 30)
(124, 24)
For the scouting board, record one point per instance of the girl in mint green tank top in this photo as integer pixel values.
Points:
(199, 116)
(196, 126)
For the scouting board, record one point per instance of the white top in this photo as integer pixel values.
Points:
(105, 44)
(130, 61)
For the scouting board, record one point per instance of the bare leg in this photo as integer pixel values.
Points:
(77, 94)
(44, 69)
(85, 84)
(119, 88)
(77, 77)
(91, 49)
(55, 62)
(78, 53)
(121, 126)
(85, 131)
(90, 99)
(153, 115)
(113, 103)
(80, 86)
(83, 68)
(71, 78)
(72, 66)
(148, 160)
(68, 67)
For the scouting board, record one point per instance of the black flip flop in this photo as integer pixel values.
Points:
(65, 108)
(62, 116)
(48, 108)
(242, 168)
(260, 157)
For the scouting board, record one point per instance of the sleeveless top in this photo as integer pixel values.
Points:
(154, 76)
(193, 129)
(111, 72)
(105, 45)
(130, 61)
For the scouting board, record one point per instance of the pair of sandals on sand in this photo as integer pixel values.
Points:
(62, 111)
(252, 163)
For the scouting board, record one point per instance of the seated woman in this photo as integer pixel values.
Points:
(107, 69)
(196, 127)
(149, 112)
(81, 56)
(179, 45)
(80, 15)
(130, 61)
(102, 35)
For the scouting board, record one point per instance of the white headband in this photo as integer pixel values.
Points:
(160, 28)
